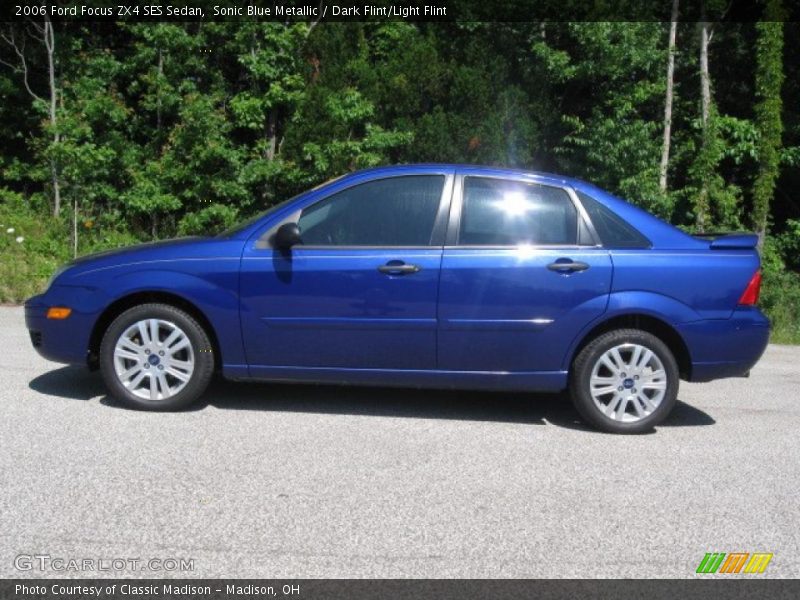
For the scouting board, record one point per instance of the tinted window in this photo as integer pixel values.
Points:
(497, 212)
(398, 211)
(613, 231)
(230, 232)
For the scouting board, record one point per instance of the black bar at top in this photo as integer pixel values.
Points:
(381, 10)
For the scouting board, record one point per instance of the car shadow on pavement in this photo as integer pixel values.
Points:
(538, 409)
(72, 382)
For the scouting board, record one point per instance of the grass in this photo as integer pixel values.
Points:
(780, 300)
(30, 250)
(33, 247)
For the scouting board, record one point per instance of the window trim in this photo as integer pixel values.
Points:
(457, 207)
(266, 240)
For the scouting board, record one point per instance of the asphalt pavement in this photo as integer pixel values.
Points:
(267, 480)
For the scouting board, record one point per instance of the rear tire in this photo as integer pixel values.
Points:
(156, 357)
(624, 381)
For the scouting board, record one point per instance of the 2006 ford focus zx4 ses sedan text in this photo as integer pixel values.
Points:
(440, 276)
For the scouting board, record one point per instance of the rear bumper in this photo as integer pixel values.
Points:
(726, 347)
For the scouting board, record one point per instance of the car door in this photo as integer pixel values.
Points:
(521, 276)
(360, 291)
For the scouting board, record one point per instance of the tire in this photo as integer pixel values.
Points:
(629, 391)
(165, 372)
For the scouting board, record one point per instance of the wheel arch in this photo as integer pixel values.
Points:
(120, 305)
(658, 327)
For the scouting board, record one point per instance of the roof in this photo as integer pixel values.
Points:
(470, 168)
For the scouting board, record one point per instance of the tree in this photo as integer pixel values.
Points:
(613, 140)
(92, 151)
(45, 35)
(664, 166)
(337, 126)
(706, 160)
(163, 70)
(271, 84)
(716, 201)
(151, 129)
(769, 78)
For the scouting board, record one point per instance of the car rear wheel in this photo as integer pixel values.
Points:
(624, 381)
(156, 357)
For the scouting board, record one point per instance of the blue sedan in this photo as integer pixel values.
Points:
(441, 276)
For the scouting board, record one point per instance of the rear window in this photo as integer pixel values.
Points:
(613, 231)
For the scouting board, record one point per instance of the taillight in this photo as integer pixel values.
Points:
(751, 292)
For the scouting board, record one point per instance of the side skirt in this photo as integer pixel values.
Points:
(539, 381)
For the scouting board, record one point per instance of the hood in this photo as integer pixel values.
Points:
(135, 249)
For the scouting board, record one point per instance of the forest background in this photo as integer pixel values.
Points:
(113, 133)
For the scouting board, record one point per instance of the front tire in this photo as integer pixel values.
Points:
(156, 357)
(624, 381)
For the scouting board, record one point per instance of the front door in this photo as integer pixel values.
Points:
(361, 290)
(521, 276)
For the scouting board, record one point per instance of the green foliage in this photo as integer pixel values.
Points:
(717, 202)
(614, 140)
(780, 294)
(769, 79)
(208, 221)
(29, 248)
(787, 244)
(167, 129)
(32, 247)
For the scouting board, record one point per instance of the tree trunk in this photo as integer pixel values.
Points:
(50, 46)
(154, 220)
(673, 30)
(701, 212)
(158, 88)
(75, 227)
(272, 133)
(705, 77)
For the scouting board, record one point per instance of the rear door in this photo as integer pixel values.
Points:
(361, 290)
(521, 276)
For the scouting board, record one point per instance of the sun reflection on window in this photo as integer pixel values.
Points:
(514, 204)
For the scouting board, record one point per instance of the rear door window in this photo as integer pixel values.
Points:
(499, 212)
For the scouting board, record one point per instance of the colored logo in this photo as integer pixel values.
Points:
(734, 562)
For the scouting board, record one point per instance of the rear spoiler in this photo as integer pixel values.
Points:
(729, 241)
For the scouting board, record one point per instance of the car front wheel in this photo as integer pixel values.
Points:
(624, 381)
(156, 357)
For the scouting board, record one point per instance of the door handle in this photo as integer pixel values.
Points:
(396, 267)
(566, 265)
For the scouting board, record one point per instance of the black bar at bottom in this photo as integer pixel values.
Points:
(729, 587)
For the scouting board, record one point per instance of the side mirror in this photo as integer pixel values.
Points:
(288, 235)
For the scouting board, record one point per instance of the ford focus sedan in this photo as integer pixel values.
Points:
(440, 276)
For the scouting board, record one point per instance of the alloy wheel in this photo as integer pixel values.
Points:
(628, 382)
(154, 359)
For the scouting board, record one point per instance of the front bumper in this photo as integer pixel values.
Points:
(67, 340)
(726, 347)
